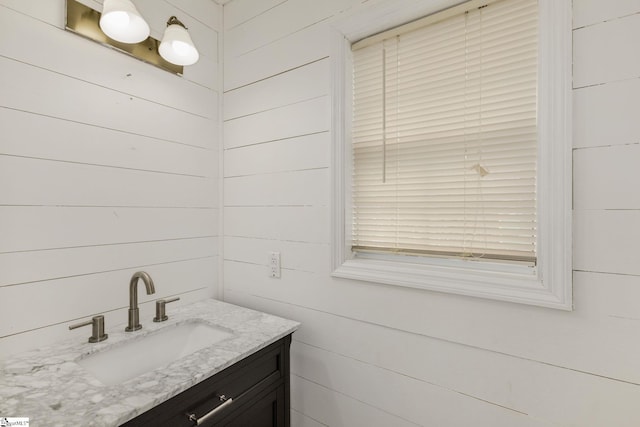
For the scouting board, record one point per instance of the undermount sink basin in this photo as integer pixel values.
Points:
(138, 356)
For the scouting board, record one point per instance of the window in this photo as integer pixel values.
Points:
(444, 136)
(452, 152)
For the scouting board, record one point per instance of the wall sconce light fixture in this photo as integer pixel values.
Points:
(122, 22)
(121, 26)
(177, 46)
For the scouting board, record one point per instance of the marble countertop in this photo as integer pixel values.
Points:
(51, 389)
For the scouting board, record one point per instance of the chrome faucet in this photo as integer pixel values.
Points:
(134, 315)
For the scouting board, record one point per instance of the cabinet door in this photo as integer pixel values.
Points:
(268, 410)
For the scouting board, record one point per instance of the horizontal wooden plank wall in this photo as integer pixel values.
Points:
(108, 165)
(372, 355)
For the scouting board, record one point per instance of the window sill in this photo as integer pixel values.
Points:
(517, 284)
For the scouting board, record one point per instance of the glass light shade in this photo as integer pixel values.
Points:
(177, 47)
(122, 22)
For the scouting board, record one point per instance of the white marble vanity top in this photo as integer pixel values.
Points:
(51, 389)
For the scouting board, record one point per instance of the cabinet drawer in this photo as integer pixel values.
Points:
(242, 382)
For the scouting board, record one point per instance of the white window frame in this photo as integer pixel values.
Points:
(549, 284)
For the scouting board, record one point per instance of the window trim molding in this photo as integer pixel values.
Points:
(550, 285)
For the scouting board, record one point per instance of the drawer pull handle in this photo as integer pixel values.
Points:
(227, 401)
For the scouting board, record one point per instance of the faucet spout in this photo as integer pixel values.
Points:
(134, 315)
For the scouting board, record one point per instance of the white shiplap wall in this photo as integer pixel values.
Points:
(107, 166)
(370, 355)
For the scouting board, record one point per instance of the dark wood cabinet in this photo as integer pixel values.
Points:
(253, 392)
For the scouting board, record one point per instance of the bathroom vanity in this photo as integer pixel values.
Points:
(252, 392)
(144, 378)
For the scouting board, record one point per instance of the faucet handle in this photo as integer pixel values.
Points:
(97, 323)
(161, 314)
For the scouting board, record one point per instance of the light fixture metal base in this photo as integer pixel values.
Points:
(85, 21)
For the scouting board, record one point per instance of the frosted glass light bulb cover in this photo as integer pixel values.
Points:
(122, 22)
(177, 47)
(181, 48)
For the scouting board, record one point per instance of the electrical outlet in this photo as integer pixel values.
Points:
(274, 264)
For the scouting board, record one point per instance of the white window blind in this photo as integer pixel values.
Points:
(444, 135)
